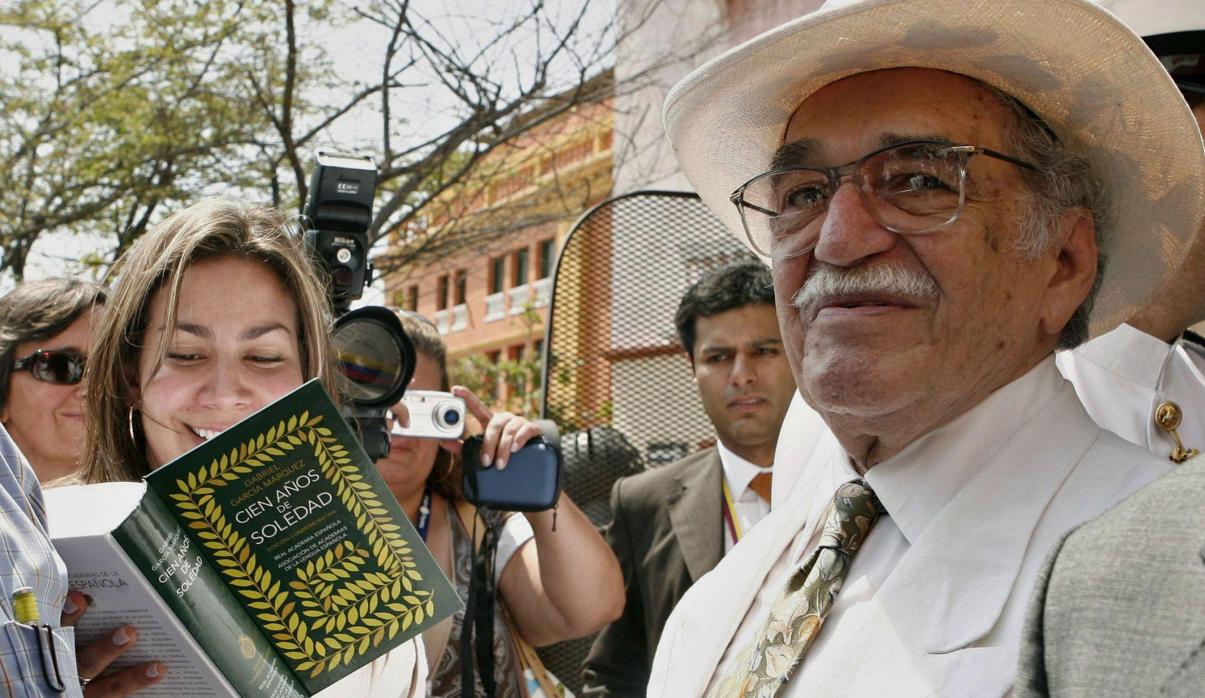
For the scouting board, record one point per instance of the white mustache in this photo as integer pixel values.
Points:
(828, 281)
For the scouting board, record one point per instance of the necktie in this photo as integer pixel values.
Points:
(764, 668)
(761, 485)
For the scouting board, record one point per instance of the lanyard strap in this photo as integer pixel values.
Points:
(424, 514)
(730, 516)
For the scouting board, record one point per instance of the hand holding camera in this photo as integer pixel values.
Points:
(534, 483)
(431, 414)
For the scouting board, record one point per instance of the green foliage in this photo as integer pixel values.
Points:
(521, 377)
(477, 373)
(108, 116)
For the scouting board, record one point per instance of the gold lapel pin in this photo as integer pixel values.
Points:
(1168, 418)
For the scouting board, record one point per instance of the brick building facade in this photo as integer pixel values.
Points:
(488, 296)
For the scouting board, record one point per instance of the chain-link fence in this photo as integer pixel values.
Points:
(617, 382)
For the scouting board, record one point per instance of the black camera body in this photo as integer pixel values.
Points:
(531, 480)
(339, 211)
(376, 359)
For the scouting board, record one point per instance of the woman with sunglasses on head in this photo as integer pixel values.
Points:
(215, 313)
(44, 338)
(556, 577)
(45, 333)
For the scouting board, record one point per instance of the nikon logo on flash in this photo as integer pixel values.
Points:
(347, 187)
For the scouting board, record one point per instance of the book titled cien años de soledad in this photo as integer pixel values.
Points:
(271, 560)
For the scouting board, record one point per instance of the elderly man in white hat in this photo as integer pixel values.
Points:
(936, 184)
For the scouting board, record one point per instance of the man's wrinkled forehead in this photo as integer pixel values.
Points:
(800, 149)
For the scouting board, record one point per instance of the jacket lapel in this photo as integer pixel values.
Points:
(706, 626)
(695, 515)
(951, 587)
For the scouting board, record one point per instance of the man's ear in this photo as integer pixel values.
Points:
(1074, 270)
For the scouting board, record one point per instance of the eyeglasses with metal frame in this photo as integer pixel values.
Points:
(909, 188)
(56, 366)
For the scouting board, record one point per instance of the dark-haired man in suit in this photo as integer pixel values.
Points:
(673, 524)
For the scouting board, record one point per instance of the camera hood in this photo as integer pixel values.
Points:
(376, 359)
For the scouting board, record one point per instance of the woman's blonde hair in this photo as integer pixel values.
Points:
(208, 229)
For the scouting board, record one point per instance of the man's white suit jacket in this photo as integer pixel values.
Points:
(951, 612)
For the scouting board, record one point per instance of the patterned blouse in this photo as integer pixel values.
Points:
(445, 680)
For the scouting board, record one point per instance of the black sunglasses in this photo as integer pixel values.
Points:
(57, 366)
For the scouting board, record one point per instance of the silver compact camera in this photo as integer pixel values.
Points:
(433, 415)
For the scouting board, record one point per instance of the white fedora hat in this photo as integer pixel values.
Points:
(1090, 78)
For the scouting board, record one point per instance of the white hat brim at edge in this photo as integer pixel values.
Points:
(1090, 78)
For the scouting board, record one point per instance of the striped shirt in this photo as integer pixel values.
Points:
(27, 559)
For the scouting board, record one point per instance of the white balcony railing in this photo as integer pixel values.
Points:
(443, 321)
(495, 307)
(543, 291)
(460, 317)
(519, 298)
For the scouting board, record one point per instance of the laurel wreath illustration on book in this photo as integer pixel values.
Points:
(343, 601)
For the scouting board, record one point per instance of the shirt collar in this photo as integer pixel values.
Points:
(738, 472)
(915, 484)
(1129, 354)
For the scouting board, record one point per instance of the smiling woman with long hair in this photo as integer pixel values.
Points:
(215, 313)
(241, 250)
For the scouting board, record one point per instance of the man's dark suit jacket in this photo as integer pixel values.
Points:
(667, 531)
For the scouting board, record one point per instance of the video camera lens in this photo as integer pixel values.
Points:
(376, 359)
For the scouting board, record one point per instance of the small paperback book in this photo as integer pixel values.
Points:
(270, 561)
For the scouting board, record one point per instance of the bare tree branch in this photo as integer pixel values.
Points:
(110, 127)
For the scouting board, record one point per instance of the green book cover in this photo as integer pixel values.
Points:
(125, 550)
(290, 510)
(274, 559)
(193, 589)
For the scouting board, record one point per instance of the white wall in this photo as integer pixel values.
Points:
(658, 47)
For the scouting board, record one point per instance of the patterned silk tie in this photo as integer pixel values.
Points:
(763, 669)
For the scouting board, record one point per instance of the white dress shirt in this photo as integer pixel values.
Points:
(1123, 375)
(935, 599)
(750, 507)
